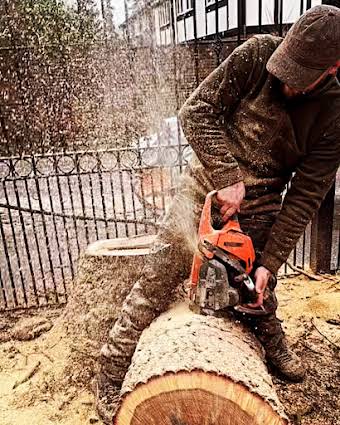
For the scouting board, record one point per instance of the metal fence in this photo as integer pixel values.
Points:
(52, 206)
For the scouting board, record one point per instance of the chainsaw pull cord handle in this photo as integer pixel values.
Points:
(205, 226)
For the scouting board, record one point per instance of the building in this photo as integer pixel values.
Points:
(181, 21)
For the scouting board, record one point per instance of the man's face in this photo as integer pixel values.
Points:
(290, 92)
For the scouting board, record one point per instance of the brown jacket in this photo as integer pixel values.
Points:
(241, 128)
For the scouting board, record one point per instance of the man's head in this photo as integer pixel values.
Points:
(310, 52)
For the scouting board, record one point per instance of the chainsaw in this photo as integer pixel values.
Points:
(221, 271)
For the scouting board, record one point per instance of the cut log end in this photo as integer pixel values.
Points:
(195, 398)
(122, 247)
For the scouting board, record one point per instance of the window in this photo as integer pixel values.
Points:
(184, 6)
(164, 14)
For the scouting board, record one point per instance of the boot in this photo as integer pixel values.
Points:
(107, 393)
(285, 361)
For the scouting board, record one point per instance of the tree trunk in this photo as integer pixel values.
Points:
(191, 369)
(106, 273)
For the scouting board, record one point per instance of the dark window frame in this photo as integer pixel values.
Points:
(209, 7)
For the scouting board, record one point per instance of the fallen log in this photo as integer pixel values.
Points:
(190, 369)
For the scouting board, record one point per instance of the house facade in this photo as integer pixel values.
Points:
(181, 21)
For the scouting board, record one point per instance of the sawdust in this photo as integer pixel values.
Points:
(51, 396)
(311, 314)
(185, 212)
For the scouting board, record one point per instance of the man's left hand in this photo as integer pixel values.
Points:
(262, 277)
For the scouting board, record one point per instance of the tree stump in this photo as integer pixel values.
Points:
(191, 369)
(106, 273)
(107, 270)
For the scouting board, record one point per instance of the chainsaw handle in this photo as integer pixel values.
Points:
(205, 226)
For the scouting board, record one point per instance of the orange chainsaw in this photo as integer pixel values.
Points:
(221, 270)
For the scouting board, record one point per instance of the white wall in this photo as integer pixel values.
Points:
(290, 13)
(165, 37)
(180, 31)
(189, 28)
(157, 27)
(200, 18)
(222, 19)
(268, 11)
(291, 9)
(206, 25)
(211, 23)
(233, 14)
(252, 12)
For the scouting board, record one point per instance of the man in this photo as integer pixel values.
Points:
(271, 109)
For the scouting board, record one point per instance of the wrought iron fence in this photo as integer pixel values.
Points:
(52, 206)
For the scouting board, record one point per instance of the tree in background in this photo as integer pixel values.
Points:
(67, 81)
(46, 48)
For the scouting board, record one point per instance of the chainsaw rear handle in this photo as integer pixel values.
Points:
(205, 226)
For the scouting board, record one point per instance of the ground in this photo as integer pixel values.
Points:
(311, 313)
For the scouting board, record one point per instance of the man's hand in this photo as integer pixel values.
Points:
(262, 277)
(230, 199)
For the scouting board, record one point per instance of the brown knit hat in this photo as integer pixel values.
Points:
(311, 46)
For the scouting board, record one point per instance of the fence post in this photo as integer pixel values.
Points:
(321, 235)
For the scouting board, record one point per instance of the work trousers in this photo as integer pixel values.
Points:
(169, 266)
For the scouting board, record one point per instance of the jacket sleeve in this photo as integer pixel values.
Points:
(201, 115)
(309, 186)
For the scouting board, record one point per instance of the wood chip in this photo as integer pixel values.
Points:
(28, 375)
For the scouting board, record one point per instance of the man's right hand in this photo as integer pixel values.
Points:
(230, 199)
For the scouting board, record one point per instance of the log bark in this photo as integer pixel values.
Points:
(191, 369)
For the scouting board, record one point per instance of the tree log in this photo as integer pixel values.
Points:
(191, 369)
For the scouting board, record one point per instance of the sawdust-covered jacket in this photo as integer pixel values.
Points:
(242, 128)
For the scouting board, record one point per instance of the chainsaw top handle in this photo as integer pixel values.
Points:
(230, 239)
(206, 227)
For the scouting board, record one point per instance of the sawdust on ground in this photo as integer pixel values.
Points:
(311, 313)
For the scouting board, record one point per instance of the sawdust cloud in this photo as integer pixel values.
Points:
(186, 210)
